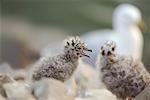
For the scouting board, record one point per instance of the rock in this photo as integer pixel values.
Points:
(2, 98)
(72, 88)
(50, 89)
(144, 95)
(3, 80)
(99, 94)
(86, 78)
(18, 91)
(18, 74)
(5, 68)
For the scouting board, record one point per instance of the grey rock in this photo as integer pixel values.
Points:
(2, 98)
(18, 74)
(18, 91)
(98, 94)
(50, 89)
(3, 80)
(85, 78)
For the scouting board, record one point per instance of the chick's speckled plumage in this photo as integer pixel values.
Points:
(122, 75)
(62, 66)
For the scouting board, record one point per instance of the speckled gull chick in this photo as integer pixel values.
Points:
(62, 66)
(126, 33)
(122, 75)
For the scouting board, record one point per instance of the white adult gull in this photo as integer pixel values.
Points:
(126, 33)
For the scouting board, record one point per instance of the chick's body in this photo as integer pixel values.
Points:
(59, 67)
(62, 66)
(122, 75)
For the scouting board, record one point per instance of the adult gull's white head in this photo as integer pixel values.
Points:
(126, 15)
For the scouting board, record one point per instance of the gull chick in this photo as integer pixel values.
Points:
(62, 66)
(122, 75)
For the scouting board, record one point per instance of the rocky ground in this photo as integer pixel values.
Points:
(15, 85)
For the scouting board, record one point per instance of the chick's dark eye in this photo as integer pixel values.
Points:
(77, 53)
(113, 49)
(103, 53)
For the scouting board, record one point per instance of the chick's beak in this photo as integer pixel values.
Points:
(87, 56)
(89, 50)
(142, 26)
(86, 49)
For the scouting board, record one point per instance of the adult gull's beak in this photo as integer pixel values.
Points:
(142, 26)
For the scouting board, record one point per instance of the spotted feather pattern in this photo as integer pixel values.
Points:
(124, 76)
(62, 66)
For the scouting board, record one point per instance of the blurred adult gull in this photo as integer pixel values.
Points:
(127, 24)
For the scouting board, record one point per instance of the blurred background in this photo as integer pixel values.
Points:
(28, 26)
